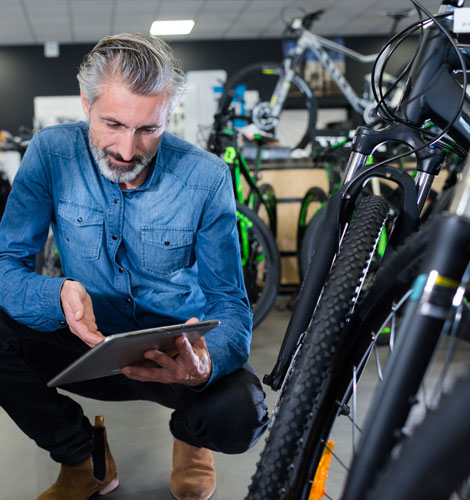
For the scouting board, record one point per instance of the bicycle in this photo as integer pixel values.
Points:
(436, 310)
(265, 91)
(260, 257)
(224, 142)
(311, 370)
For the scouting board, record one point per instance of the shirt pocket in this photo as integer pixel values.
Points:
(166, 249)
(81, 228)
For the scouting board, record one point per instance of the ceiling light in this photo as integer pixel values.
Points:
(172, 27)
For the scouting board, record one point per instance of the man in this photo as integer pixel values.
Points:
(146, 229)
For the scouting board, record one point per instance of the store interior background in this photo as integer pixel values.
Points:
(25, 73)
(252, 32)
(30, 81)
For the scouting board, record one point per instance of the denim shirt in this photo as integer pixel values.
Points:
(150, 256)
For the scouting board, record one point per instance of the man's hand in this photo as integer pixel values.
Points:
(192, 365)
(78, 310)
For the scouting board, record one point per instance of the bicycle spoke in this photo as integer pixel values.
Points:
(354, 412)
(378, 363)
(345, 467)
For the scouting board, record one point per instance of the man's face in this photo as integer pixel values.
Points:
(125, 129)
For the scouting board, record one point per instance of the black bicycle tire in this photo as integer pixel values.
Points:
(271, 286)
(434, 461)
(310, 99)
(306, 381)
(267, 190)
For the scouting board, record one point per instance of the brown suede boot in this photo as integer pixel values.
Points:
(193, 475)
(79, 482)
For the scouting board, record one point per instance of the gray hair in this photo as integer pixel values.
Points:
(143, 62)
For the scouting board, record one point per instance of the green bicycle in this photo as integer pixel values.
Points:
(257, 220)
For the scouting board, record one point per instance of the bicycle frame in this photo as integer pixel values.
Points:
(239, 168)
(320, 46)
(431, 60)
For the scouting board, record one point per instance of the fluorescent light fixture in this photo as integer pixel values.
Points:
(182, 27)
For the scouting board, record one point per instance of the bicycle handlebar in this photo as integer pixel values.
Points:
(309, 19)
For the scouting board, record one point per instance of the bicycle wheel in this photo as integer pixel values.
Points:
(251, 90)
(268, 193)
(261, 262)
(434, 463)
(276, 476)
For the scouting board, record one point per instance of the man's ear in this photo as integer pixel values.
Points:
(85, 105)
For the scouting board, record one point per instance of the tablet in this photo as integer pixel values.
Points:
(122, 349)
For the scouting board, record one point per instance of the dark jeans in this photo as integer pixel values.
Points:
(229, 416)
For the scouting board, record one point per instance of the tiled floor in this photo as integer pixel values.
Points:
(141, 443)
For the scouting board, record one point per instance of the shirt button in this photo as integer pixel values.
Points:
(128, 300)
(120, 270)
(114, 237)
(63, 323)
(116, 200)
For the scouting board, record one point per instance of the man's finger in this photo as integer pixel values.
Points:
(148, 374)
(200, 343)
(184, 347)
(78, 315)
(90, 338)
(161, 358)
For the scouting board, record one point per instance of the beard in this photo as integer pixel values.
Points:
(119, 173)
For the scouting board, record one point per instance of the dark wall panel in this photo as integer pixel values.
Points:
(25, 72)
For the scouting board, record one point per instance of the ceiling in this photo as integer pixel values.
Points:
(86, 21)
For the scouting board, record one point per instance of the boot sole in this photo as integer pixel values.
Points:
(205, 498)
(112, 485)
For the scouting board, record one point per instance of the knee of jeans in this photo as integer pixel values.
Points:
(228, 426)
(244, 429)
